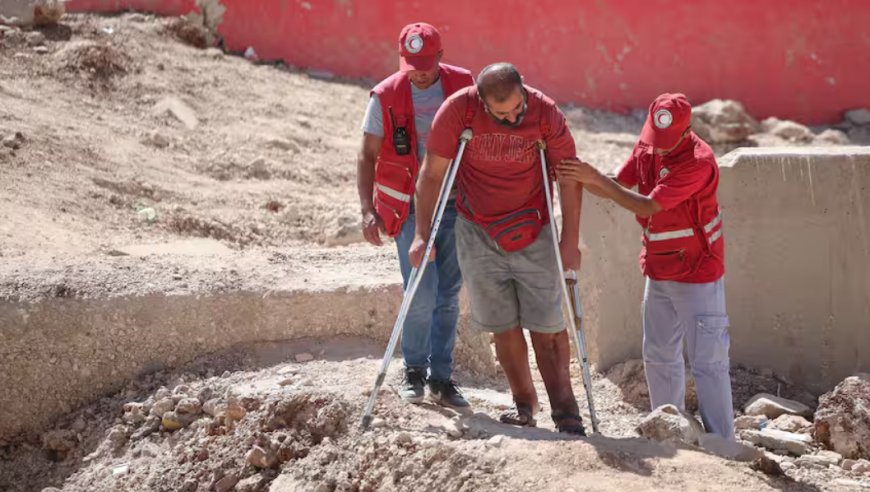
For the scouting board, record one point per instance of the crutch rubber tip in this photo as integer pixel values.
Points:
(366, 421)
(466, 134)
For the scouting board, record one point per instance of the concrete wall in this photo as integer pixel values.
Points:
(800, 60)
(59, 354)
(797, 229)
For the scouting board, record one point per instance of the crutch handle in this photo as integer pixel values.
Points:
(466, 135)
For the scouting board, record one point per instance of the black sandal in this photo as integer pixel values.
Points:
(569, 423)
(519, 414)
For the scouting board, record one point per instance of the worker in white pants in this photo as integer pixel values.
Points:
(683, 258)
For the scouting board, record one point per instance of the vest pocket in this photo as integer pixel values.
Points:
(667, 265)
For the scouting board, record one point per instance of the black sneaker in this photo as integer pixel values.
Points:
(413, 383)
(446, 393)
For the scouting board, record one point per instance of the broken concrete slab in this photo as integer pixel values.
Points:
(775, 440)
(728, 449)
(822, 459)
(773, 406)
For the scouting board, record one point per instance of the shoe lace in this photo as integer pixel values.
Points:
(450, 388)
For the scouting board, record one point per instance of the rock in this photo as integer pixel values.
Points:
(495, 441)
(284, 144)
(226, 483)
(15, 141)
(189, 406)
(767, 465)
(213, 53)
(667, 423)
(40, 50)
(454, 428)
(404, 439)
(861, 466)
(210, 407)
(51, 489)
(146, 450)
(787, 130)
(848, 464)
(858, 116)
(754, 422)
(378, 423)
(787, 465)
(152, 423)
(35, 38)
(772, 406)
(162, 406)
(723, 121)
(842, 421)
(117, 437)
(261, 458)
(259, 169)
(234, 410)
(791, 423)
(181, 389)
(157, 139)
(775, 440)
(134, 413)
(120, 470)
(162, 393)
(137, 17)
(304, 357)
(255, 483)
(822, 459)
(179, 109)
(832, 136)
(729, 449)
(173, 421)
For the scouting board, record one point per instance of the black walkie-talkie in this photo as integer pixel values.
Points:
(401, 140)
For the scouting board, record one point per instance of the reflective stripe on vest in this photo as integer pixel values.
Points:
(398, 195)
(680, 233)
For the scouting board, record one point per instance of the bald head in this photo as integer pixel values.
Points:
(497, 82)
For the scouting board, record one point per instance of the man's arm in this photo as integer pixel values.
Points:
(642, 206)
(571, 203)
(365, 182)
(574, 170)
(428, 188)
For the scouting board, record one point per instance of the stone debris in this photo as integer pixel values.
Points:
(772, 406)
(775, 440)
(668, 423)
(723, 121)
(842, 420)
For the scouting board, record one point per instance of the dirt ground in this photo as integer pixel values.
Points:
(120, 141)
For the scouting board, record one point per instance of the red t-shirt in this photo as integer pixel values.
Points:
(500, 171)
(672, 180)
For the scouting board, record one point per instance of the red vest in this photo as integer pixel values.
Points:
(396, 175)
(685, 243)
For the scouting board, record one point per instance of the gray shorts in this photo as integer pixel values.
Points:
(510, 289)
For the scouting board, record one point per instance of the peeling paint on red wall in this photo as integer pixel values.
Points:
(801, 60)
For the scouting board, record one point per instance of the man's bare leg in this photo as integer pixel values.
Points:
(553, 355)
(513, 355)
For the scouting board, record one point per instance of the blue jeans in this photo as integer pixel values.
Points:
(429, 333)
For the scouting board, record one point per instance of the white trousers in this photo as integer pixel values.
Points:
(677, 311)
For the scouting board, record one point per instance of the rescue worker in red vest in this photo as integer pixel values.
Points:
(395, 129)
(505, 249)
(682, 257)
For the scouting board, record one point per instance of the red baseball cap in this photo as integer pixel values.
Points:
(419, 45)
(669, 116)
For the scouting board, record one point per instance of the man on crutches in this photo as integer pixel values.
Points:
(506, 253)
(396, 125)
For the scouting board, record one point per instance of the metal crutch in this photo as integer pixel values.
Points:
(575, 310)
(415, 276)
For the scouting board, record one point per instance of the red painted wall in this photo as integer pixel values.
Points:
(807, 60)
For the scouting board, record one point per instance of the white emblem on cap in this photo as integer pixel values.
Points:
(414, 43)
(664, 172)
(663, 119)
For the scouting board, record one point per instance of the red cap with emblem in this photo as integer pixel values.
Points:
(419, 45)
(669, 116)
